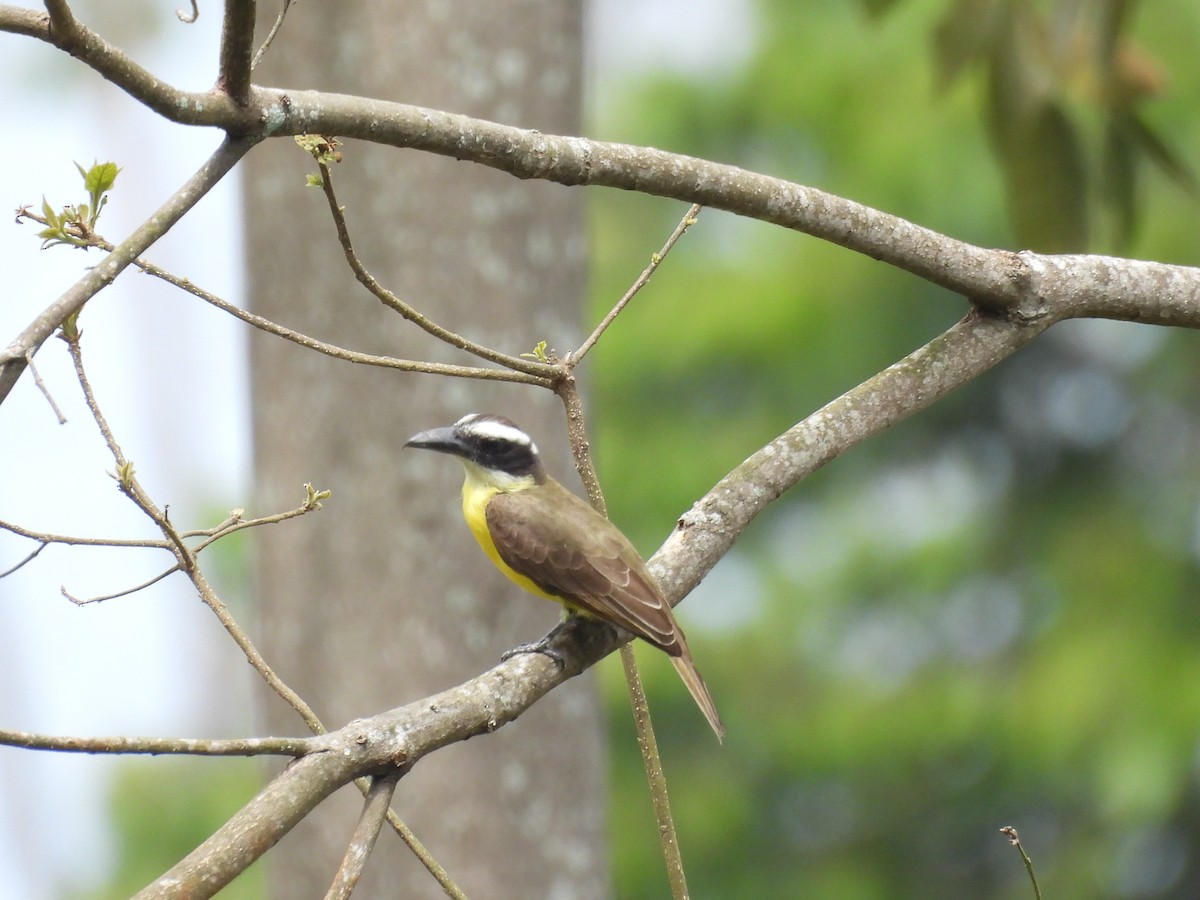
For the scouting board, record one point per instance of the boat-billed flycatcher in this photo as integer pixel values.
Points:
(555, 545)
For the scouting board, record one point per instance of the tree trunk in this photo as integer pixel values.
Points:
(382, 597)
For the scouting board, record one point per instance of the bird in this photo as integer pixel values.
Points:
(555, 545)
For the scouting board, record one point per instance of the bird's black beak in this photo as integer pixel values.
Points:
(443, 440)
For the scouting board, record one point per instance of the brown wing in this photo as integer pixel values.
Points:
(566, 548)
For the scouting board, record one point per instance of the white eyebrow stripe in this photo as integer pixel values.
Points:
(490, 428)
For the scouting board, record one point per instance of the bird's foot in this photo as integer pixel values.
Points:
(545, 645)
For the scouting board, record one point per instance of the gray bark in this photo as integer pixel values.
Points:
(382, 597)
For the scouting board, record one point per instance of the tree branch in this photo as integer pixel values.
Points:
(237, 44)
(13, 357)
(542, 371)
(294, 747)
(62, 30)
(688, 220)
(1024, 285)
(257, 827)
(304, 340)
(401, 737)
(705, 533)
(374, 814)
(184, 555)
(656, 778)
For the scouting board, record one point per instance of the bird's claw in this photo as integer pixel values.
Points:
(542, 646)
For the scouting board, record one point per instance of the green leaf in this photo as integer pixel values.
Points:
(313, 496)
(70, 327)
(965, 35)
(125, 475)
(100, 178)
(320, 147)
(539, 353)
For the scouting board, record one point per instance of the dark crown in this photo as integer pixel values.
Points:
(494, 442)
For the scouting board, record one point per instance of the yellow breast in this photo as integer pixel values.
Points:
(475, 496)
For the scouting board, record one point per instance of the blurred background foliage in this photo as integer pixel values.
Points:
(988, 616)
(160, 814)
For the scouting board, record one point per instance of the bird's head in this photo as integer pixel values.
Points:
(493, 449)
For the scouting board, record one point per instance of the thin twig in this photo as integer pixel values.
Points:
(311, 343)
(189, 18)
(1015, 839)
(42, 546)
(568, 392)
(125, 592)
(655, 775)
(124, 474)
(13, 357)
(688, 220)
(270, 746)
(41, 386)
(374, 813)
(234, 522)
(211, 535)
(283, 11)
(46, 537)
(427, 859)
(644, 725)
(184, 555)
(256, 659)
(365, 359)
(367, 280)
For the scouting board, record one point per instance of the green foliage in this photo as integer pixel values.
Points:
(323, 149)
(163, 811)
(986, 616)
(538, 354)
(1067, 90)
(75, 225)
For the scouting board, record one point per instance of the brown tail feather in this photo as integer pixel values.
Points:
(696, 687)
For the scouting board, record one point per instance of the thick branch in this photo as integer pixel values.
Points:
(65, 32)
(1024, 285)
(237, 45)
(578, 161)
(256, 828)
(705, 533)
(386, 744)
(401, 737)
(1132, 290)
